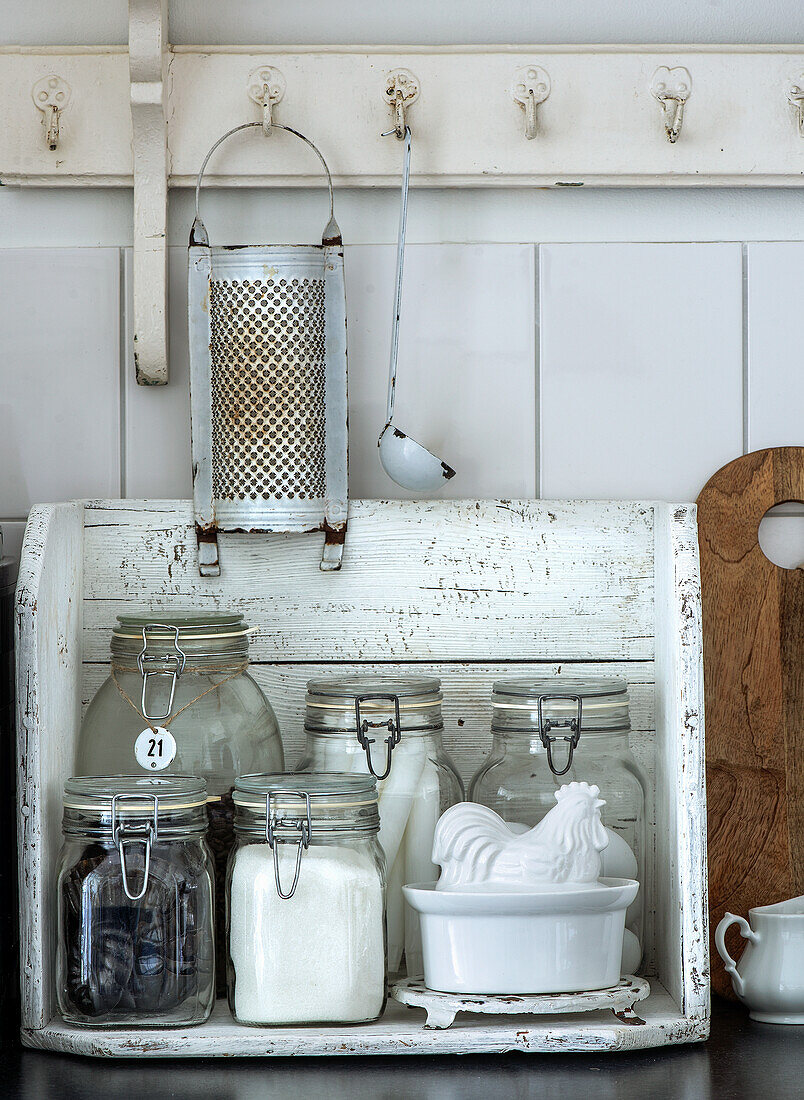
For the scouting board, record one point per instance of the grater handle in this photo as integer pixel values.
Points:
(199, 235)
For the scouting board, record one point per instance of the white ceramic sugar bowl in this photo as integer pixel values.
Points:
(770, 975)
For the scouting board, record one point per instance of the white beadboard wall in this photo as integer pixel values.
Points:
(557, 370)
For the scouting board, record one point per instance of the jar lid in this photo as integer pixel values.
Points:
(157, 639)
(604, 702)
(135, 794)
(324, 789)
(341, 691)
(330, 801)
(191, 626)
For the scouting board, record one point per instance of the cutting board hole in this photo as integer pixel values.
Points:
(781, 535)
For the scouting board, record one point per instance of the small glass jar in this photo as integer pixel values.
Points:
(179, 700)
(547, 732)
(305, 889)
(135, 903)
(344, 723)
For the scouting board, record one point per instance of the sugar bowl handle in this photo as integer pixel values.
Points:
(747, 933)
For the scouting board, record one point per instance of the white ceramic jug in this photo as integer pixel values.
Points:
(770, 979)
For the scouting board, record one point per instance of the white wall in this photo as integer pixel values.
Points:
(584, 362)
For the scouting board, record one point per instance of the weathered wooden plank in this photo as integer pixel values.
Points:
(680, 886)
(466, 580)
(48, 644)
(400, 1031)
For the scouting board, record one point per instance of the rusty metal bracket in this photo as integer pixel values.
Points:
(266, 88)
(401, 91)
(51, 95)
(795, 96)
(672, 88)
(531, 87)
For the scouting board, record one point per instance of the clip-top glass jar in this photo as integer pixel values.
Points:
(305, 901)
(547, 732)
(345, 720)
(135, 903)
(179, 699)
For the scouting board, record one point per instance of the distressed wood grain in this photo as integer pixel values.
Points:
(753, 617)
(48, 645)
(401, 1031)
(451, 580)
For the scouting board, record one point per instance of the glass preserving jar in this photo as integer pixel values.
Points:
(135, 903)
(179, 700)
(547, 732)
(417, 781)
(306, 929)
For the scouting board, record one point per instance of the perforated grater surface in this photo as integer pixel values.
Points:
(267, 327)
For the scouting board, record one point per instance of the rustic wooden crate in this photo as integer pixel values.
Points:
(467, 590)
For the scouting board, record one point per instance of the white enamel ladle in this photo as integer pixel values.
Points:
(405, 461)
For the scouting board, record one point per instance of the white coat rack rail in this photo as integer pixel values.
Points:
(504, 116)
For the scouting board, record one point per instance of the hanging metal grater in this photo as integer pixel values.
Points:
(267, 328)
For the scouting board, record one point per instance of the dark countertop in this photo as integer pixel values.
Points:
(741, 1059)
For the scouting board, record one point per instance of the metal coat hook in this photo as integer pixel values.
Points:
(672, 88)
(401, 90)
(531, 87)
(266, 87)
(795, 94)
(51, 95)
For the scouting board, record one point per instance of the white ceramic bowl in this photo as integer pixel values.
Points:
(550, 941)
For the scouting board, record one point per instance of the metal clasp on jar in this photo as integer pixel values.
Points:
(302, 825)
(178, 659)
(362, 726)
(144, 833)
(572, 724)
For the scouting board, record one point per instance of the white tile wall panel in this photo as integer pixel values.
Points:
(157, 455)
(466, 380)
(775, 345)
(640, 368)
(59, 375)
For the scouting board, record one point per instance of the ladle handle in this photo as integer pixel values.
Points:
(400, 263)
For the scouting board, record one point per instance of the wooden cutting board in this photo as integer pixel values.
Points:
(753, 627)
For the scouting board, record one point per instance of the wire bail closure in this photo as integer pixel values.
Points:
(179, 659)
(304, 827)
(573, 724)
(362, 726)
(145, 833)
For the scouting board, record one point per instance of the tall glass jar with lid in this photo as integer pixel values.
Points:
(305, 901)
(547, 732)
(391, 728)
(179, 699)
(134, 890)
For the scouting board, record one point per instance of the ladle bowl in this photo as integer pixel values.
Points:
(410, 464)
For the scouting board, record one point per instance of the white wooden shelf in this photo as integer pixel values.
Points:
(473, 588)
(400, 1031)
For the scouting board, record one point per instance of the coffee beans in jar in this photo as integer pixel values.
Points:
(135, 903)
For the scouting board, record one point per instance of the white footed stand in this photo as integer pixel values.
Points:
(442, 1008)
